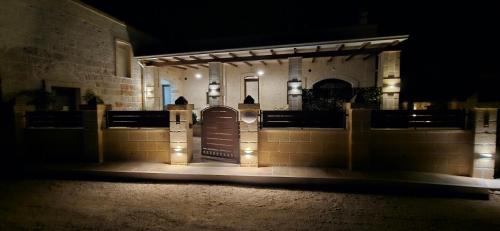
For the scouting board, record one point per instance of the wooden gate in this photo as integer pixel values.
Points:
(220, 134)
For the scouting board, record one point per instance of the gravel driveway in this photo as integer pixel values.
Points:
(85, 205)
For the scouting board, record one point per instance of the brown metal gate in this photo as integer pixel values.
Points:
(220, 134)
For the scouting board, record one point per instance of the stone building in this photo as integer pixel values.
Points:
(68, 48)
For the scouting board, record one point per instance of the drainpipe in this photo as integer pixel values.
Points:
(142, 84)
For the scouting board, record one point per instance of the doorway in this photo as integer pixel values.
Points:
(167, 98)
(252, 87)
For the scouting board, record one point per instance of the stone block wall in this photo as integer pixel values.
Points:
(53, 144)
(439, 151)
(148, 145)
(66, 44)
(303, 147)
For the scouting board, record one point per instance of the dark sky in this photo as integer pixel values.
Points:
(452, 50)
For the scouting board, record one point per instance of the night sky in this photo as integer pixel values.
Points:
(451, 53)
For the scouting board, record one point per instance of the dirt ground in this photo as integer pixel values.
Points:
(85, 205)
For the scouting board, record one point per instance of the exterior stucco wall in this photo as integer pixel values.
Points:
(67, 45)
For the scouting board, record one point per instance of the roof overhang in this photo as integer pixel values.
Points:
(367, 47)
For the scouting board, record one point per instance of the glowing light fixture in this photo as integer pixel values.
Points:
(260, 72)
(486, 155)
(178, 149)
(198, 76)
(248, 151)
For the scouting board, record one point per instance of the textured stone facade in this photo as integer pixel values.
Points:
(67, 45)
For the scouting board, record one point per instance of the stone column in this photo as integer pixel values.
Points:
(359, 125)
(484, 142)
(181, 133)
(249, 135)
(294, 92)
(93, 124)
(19, 126)
(389, 79)
(215, 83)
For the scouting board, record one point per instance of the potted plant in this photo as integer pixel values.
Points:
(41, 99)
(92, 99)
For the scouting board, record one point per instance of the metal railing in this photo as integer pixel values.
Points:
(137, 119)
(55, 119)
(313, 119)
(418, 118)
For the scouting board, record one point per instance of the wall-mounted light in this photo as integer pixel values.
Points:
(486, 155)
(214, 89)
(294, 87)
(197, 76)
(248, 151)
(149, 92)
(260, 72)
(178, 149)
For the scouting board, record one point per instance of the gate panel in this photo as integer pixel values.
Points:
(220, 134)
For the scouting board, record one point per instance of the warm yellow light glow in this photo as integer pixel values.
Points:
(178, 149)
(198, 75)
(486, 155)
(248, 151)
(260, 72)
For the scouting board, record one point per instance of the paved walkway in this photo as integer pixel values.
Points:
(220, 172)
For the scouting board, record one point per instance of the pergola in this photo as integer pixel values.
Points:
(367, 47)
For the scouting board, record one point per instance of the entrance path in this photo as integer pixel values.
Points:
(230, 173)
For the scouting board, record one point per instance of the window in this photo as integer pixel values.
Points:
(123, 52)
(252, 87)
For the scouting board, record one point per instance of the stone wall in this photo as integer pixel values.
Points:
(148, 145)
(447, 151)
(67, 45)
(53, 144)
(440, 151)
(303, 147)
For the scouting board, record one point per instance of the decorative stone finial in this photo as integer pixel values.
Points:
(249, 100)
(181, 101)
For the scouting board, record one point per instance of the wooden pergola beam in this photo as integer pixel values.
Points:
(341, 52)
(274, 53)
(363, 46)
(317, 50)
(195, 57)
(182, 68)
(263, 63)
(203, 65)
(247, 63)
(394, 43)
(193, 67)
(232, 64)
(178, 59)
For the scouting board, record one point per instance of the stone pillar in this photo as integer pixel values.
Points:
(215, 83)
(181, 133)
(359, 125)
(389, 79)
(484, 142)
(294, 92)
(19, 126)
(93, 124)
(249, 135)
